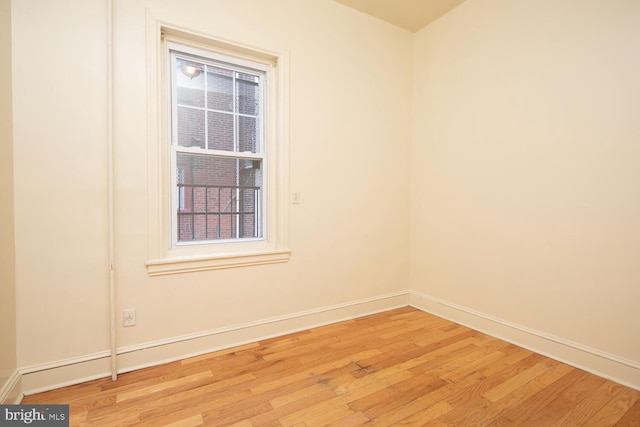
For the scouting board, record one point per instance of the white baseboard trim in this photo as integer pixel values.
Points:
(11, 390)
(61, 373)
(598, 362)
(359, 305)
(64, 362)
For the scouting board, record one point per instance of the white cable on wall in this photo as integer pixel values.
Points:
(112, 293)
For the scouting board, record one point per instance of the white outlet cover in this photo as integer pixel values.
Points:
(129, 317)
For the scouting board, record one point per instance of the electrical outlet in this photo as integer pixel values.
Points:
(129, 317)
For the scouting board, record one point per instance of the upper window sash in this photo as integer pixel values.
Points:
(233, 65)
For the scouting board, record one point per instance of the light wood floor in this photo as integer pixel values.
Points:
(398, 368)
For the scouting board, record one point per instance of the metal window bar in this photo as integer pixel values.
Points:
(193, 225)
(235, 211)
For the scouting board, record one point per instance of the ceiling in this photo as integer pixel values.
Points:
(411, 15)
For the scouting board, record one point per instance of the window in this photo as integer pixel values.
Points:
(224, 166)
(217, 147)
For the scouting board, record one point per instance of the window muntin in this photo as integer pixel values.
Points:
(218, 148)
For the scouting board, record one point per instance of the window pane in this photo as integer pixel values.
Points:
(190, 127)
(219, 197)
(190, 83)
(248, 134)
(220, 128)
(248, 93)
(219, 89)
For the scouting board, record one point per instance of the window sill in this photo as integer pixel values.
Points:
(167, 266)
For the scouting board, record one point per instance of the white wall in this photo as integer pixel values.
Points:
(59, 91)
(8, 361)
(349, 126)
(525, 179)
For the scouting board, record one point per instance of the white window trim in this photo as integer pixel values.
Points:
(165, 258)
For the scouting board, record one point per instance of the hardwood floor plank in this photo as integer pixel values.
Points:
(292, 406)
(427, 414)
(515, 382)
(403, 367)
(193, 421)
(355, 419)
(396, 415)
(631, 417)
(276, 382)
(325, 411)
(289, 398)
(218, 393)
(388, 398)
(444, 368)
(513, 355)
(204, 403)
(615, 408)
(67, 394)
(217, 354)
(584, 410)
(459, 414)
(237, 411)
(151, 375)
(473, 366)
(476, 385)
(77, 418)
(439, 338)
(372, 382)
(557, 371)
(146, 391)
(520, 413)
(328, 354)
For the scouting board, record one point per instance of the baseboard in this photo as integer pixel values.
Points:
(603, 364)
(43, 377)
(52, 375)
(11, 390)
